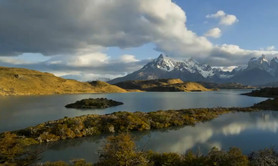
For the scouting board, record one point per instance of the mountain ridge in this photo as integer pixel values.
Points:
(258, 71)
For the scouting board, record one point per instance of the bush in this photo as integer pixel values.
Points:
(266, 157)
(120, 151)
(233, 157)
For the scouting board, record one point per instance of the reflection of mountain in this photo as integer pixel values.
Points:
(248, 131)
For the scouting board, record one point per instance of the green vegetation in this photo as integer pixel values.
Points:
(120, 151)
(163, 85)
(14, 149)
(79, 162)
(14, 145)
(88, 125)
(264, 92)
(17, 81)
(94, 103)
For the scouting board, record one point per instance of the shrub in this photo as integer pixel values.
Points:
(266, 157)
(120, 151)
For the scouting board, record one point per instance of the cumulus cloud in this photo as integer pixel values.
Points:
(224, 19)
(85, 60)
(83, 67)
(229, 55)
(75, 33)
(70, 26)
(214, 32)
(128, 58)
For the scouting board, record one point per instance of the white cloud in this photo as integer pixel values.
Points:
(225, 68)
(84, 60)
(128, 58)
(118, 23)
(77, 44)
(225, 19)
(270, 48)
(229, 55)
(214, 32)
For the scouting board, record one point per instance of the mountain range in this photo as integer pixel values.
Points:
(258, 71)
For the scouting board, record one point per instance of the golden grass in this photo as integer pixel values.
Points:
(18, 81)
(193, 86)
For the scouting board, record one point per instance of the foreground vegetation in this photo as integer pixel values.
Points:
(14, 145)
(94, 103)
(89, 125)
(121, 150)
(18, 81)
(163, 85)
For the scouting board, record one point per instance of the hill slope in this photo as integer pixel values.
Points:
(18, 81)
(175, 85)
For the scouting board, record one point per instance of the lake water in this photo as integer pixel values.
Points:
(248, 131)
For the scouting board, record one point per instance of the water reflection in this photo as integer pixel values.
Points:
(248, 131)
(22, 111)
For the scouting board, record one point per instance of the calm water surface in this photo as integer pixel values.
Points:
(22, 111)
(249, 131)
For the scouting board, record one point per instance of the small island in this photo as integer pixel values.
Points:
(94, 103)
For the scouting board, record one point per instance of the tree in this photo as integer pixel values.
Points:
(121, 151)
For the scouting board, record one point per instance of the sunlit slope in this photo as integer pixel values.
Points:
(174, 85)
(18, 81)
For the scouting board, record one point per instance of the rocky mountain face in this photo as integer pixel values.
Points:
(258, 71)
(165, 67)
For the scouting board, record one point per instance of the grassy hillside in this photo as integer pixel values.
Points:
(175, 85)
(18, 81)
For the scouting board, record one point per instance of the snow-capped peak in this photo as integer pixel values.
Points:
(261, 63)
(190, 65)
(164, 63)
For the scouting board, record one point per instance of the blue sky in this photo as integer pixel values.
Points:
(256, 29)
(96, 39)
(257, 26)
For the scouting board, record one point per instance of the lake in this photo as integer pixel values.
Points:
(248, 131)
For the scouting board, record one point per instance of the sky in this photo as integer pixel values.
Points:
(104, 39)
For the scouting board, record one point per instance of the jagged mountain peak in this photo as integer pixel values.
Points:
(258, 71)
(162, 56)
(259, 63)
(261, 59)
(163, 62)
(189, 65)
(167, 67)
